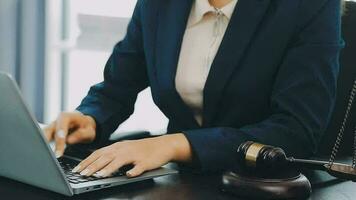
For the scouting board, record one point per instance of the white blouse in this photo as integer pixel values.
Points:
(205, 30)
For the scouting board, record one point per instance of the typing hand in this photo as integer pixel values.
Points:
(70, 128)
(144, 155)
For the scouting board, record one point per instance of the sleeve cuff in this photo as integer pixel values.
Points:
(214, 149)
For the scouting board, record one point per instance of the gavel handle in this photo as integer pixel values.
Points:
(309, 164)
(338, 170)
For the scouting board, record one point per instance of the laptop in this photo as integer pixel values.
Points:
(26, 156)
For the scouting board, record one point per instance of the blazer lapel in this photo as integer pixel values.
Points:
(243, 24)
(172, 21)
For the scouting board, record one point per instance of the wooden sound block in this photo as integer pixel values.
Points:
(291, 185)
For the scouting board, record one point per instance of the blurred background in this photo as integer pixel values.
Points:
(57, 49)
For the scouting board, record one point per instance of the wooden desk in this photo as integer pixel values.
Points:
(176, 187)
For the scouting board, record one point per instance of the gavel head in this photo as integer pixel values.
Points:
(255, 157)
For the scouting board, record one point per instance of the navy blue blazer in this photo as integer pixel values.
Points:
(273, 79)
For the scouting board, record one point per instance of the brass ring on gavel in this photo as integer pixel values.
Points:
(252, 154)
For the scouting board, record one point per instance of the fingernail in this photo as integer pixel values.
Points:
(128, 174)
(84, 172)
(100, 174)
(97, 175)
(58, 154)
(76, 169)
(60, 134)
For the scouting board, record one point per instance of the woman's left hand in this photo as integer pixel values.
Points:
(144, 155)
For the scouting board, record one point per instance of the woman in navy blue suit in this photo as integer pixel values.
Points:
(223, 72)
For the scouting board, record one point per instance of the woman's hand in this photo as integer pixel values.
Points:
(144, 155)
(70, 128)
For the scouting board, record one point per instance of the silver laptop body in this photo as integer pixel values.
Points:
(25, 155)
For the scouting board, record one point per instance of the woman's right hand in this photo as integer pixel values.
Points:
(70, 128)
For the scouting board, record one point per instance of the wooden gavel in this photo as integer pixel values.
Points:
(255, 157)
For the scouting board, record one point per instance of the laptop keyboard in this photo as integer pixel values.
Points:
(68, 165)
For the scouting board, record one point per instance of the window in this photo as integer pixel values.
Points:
(81, 36)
